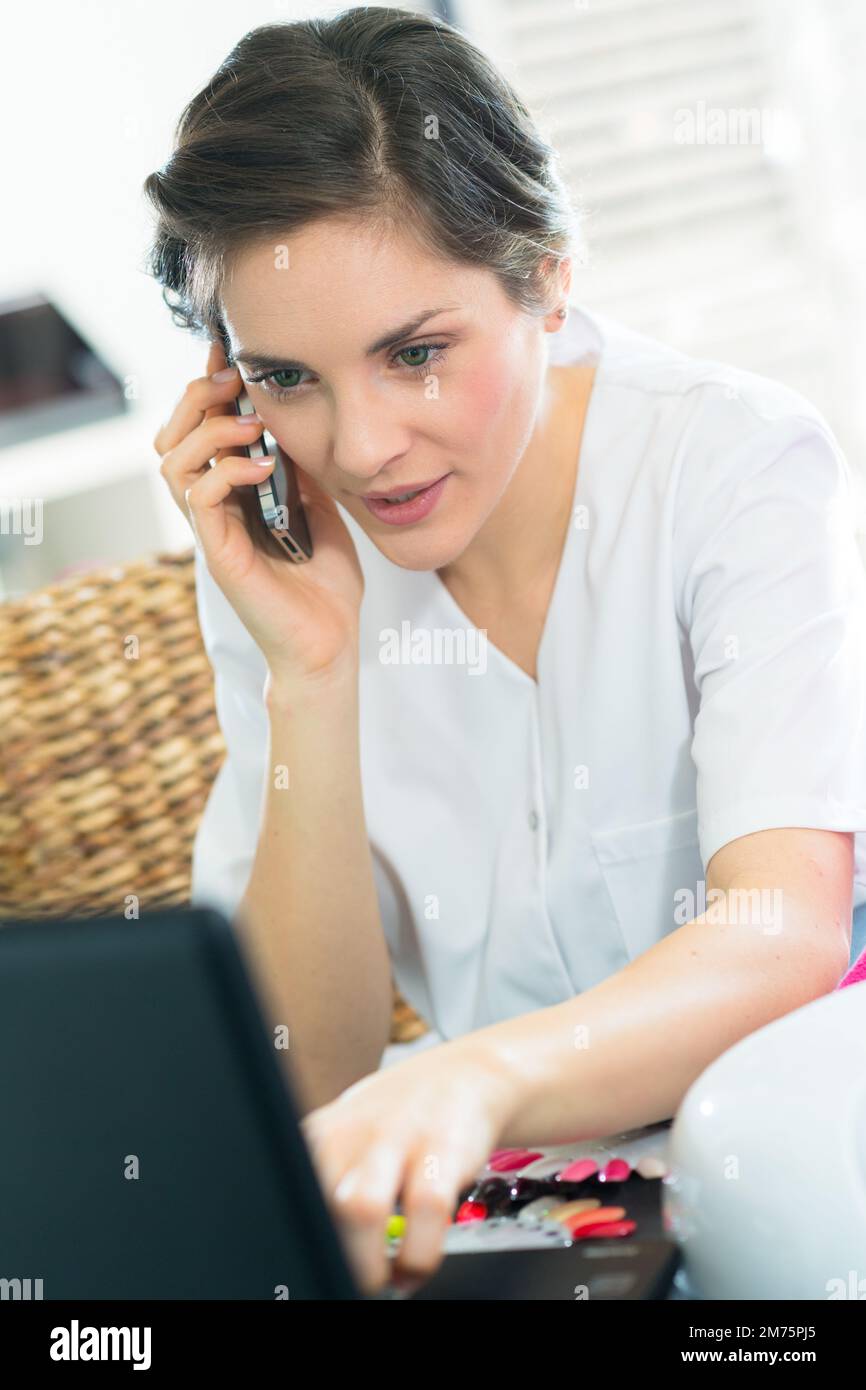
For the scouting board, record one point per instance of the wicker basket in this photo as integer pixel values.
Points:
(105, 762)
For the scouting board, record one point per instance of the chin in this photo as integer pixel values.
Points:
(418, 552)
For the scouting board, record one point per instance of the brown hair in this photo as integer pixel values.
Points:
(334, 118)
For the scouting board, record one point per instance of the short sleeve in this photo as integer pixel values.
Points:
(772, 592)
(227, 834)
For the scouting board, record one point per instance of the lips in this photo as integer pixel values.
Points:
(399, 491)
(415, 509)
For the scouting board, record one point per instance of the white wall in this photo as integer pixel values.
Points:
(87, 113)
(90, 94)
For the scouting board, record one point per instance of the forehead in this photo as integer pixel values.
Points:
(339, 279)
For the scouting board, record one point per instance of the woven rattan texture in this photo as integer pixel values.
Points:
(109, 744)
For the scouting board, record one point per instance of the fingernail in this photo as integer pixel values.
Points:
(251, 420)
(225, 375)
(265, 462)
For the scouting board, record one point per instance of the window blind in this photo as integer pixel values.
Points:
(714, 154)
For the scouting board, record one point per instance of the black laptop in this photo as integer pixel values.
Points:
(151, 1146)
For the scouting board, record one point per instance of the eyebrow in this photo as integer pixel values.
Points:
(266, 362)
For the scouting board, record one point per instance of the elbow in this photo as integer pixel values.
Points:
(816, 969)
(837, 960)
(830, 950)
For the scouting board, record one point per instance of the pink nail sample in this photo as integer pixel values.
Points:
(578, 1171)
(615, 1171)
(503, 1153)
(507, 1163)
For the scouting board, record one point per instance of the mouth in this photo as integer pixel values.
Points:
(410, 504)
(402, 494)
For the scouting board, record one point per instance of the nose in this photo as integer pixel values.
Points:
(369, 440)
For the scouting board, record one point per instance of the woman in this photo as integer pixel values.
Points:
(549, 834)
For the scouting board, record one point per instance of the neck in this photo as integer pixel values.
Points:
(519, 546)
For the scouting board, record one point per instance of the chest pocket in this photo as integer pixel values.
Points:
(653, 872)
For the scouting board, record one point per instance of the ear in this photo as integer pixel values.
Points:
(565, 276)
(559, 273)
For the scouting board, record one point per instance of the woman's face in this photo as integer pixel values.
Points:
(457, 395)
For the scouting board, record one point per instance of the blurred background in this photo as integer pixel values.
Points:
(713, 147)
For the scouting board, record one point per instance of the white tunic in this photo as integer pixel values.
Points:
(701, 675)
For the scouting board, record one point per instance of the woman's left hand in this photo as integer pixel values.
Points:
(417, 1132)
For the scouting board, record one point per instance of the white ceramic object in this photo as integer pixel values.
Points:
(766, 1189)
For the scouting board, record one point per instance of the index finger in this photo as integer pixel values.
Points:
(187, 415)
(216, 361)
(362, 1201)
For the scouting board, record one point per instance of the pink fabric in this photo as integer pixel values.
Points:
(856, 973)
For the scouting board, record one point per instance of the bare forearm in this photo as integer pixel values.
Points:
(310, 914)
(624, 1053)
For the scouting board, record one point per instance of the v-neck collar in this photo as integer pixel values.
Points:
(581, 340)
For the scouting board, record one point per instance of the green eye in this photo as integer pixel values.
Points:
(274, 377)
(419, 347)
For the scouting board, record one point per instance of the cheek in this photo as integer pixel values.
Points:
(488, 404)
(301, 441)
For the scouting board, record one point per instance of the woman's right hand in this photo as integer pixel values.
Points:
(303, 617)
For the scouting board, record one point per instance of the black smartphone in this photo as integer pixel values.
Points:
(278, 503)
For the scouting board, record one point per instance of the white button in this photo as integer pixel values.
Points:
(533, 820)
